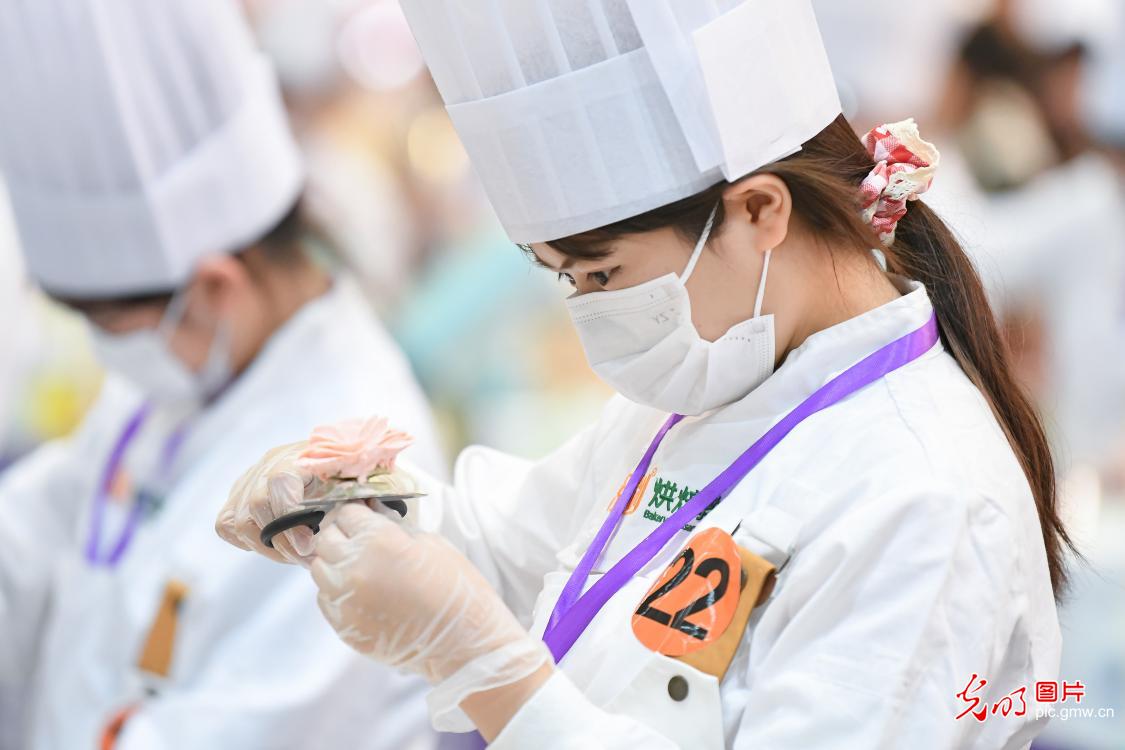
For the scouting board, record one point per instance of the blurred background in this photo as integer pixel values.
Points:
(1025, 98)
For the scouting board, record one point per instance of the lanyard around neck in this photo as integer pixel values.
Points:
(574, 610)
(105, 486)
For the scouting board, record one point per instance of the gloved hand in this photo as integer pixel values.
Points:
(409, 599)
(272, 487)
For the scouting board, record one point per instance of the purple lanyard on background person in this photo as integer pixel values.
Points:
(574, 610)
(101, 496)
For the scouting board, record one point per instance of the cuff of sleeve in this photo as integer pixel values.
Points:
(552, 713)
(501, 667)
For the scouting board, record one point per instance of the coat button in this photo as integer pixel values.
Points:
(677, 688)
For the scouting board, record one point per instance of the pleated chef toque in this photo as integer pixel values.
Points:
(137, 136)
(579, 113)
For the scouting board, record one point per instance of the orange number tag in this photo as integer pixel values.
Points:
(693, 602)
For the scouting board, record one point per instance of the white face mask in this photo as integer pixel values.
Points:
(145, 358)
(642, 342)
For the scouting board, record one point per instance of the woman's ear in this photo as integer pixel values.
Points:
(218, 281)
(761, 205)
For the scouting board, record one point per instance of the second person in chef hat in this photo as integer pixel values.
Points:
(155, 187)
(820, 513)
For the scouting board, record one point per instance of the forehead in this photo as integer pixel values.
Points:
(551, 258)
(654, 243)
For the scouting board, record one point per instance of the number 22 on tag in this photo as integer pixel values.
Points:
(694, 600)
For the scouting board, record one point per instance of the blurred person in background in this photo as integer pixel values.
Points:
(915, 82)
(1084, 303)
(1043, 214)
(156, 190)
(1036, 205)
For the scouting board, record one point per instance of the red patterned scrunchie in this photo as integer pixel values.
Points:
(904, 169)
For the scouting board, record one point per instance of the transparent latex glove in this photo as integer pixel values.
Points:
(268, 489)
(410, 600)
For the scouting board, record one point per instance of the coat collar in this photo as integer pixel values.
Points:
(698, 448)
(827, 353)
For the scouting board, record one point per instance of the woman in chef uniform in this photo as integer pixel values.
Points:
(820, 512)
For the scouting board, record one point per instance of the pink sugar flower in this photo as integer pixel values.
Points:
(353, 449)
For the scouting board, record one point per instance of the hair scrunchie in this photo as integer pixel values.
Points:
(904, 169)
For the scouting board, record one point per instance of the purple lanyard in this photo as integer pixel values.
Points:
(574, 610)
(116, 457)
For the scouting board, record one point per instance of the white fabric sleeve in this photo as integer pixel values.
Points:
(511, 516)
(559, 717)
(897, 604)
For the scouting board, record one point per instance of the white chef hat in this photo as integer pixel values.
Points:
(137, 136)
(580, 113)
(1051, 26)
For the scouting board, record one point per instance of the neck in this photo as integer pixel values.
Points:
(844, 290)
(289, 292)
(286, 292)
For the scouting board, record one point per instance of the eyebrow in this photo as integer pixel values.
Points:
(535, 259)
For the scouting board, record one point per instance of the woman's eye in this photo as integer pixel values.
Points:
(601, 278)
(568, 279)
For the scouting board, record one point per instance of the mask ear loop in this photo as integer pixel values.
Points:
(173, 313)
(695, 254)
(215, 373)
(762, 285)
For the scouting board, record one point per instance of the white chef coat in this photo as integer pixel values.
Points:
(255, 665)
(918, 562)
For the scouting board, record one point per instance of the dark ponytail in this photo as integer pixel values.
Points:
(926, 250)
(823, 179)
